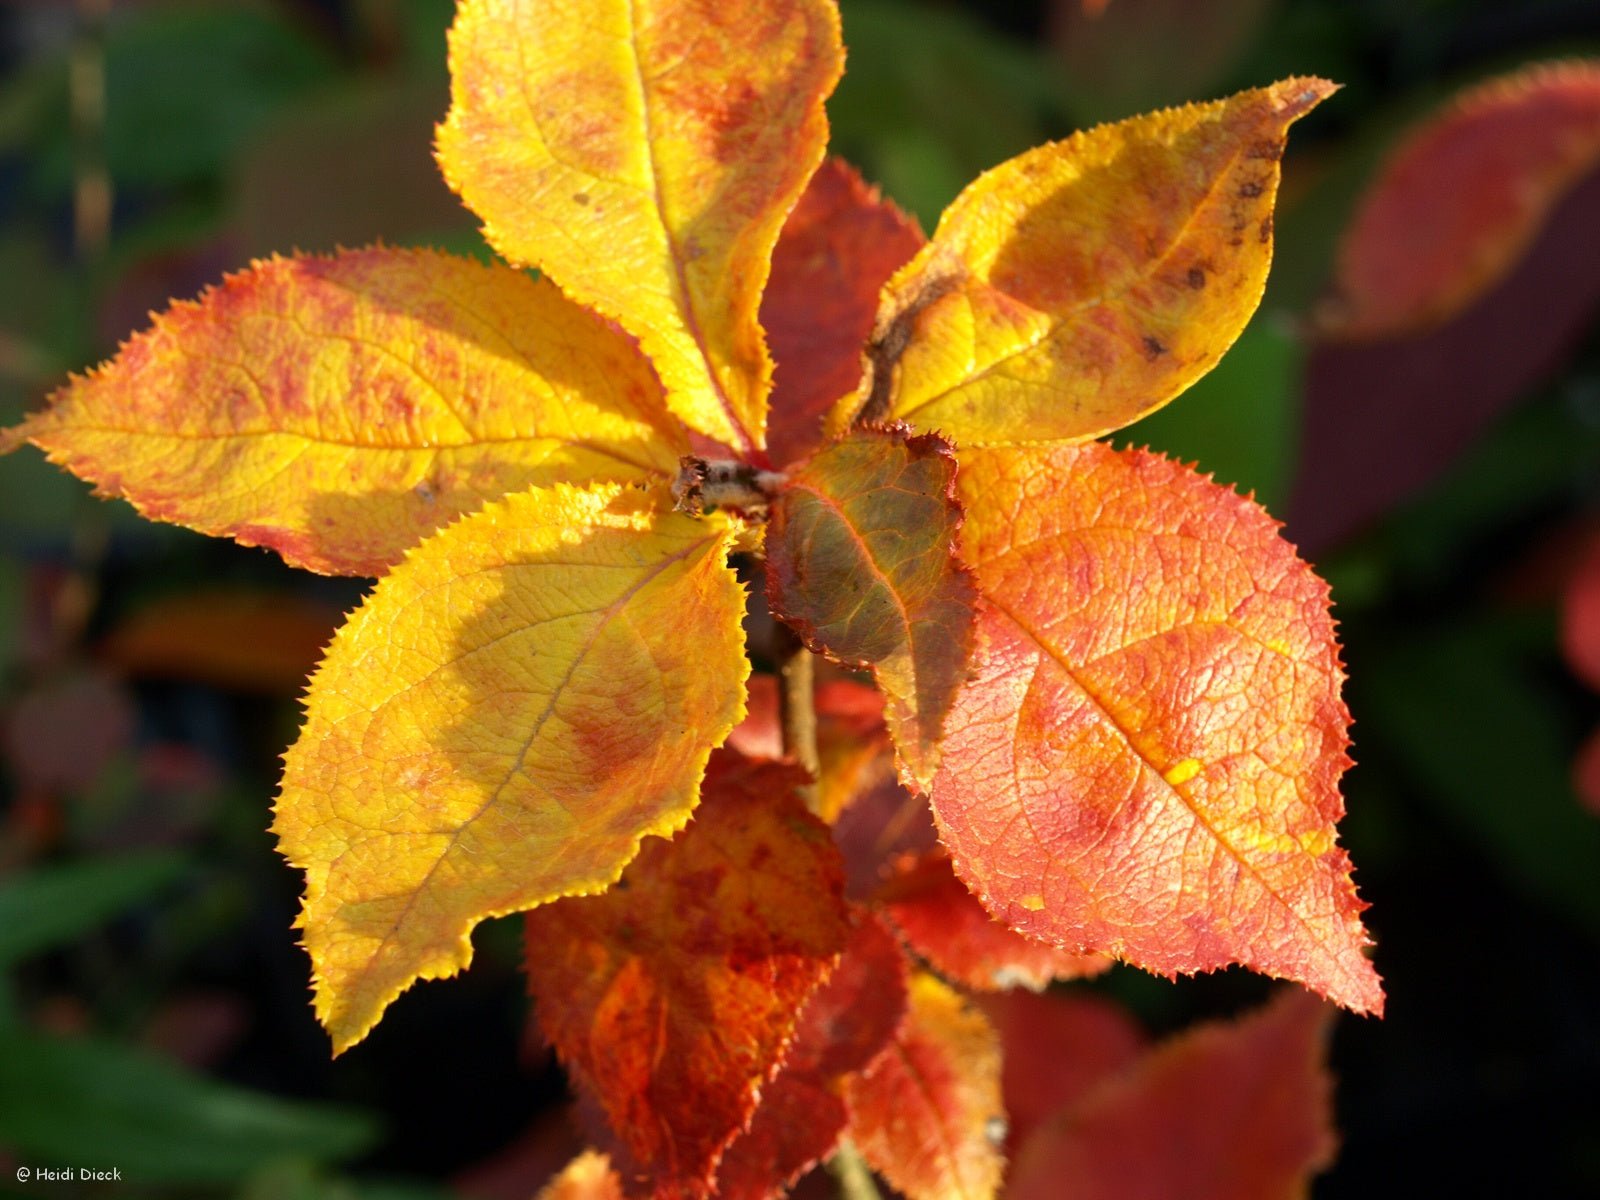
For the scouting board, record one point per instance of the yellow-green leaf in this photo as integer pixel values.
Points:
(338, 410)
(528, 694)
(644, 155)
(1087, 282)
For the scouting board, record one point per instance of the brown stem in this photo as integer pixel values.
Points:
(797, 708)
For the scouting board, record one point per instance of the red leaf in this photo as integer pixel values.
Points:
(1146, 758)
(671, 997)
(927, 1113)
(1382, 419)
(861, 561)
(1460, 200)
(1055, 1047)
(946, 924)
(1227, 1111)
(838, 249)
(843, 1028)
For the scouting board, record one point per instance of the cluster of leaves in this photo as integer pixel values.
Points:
(1115, 684)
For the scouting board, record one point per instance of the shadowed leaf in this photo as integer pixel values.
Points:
(946, 924)
(1458, 202)
(838, 249)
(644, 155)
(672, 998)
(861, 561)
(1226, 1111)
(1146, 758)
(927, 1114)
(844, 1027)
(338, 410)
(1077, 287)
(531, 692)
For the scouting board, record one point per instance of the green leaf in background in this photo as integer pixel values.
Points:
(157, 132)
(933, 97)
(48, 906)
(91, 1103)
(1240, 421)
(302, 1181)
(1462, 710)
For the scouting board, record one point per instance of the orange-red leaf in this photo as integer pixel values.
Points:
(843, 1028)
(672, 998)
(587, 1177)
(529, 694)
(944, 923)
(1056, 1046)
(1084, 283)
(1461, 198)
(338, 410)
(838, 249)
(248, 641)
(861, 561)
(927, 1115)
(1147, 756)
(644, 155)
(1227, 1111)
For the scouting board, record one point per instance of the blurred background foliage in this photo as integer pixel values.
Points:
(154, 1011)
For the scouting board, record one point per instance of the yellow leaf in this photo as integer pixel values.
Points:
(644, 155)
(1084, 283)
(531, 692)
(338, 410)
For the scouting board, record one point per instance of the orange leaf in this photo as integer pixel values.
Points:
(944, 923)
(247, 641)
(838, 249)
(531, 692)
(1084, 283)
(1458, 202)
(644, 155)
(844, 1027)
(338, 410)
(672, 998)
(861, 561)
(1056, 1046)
(1226, 1111)
(587, 1177)
(1146, 758)
(927, 1114)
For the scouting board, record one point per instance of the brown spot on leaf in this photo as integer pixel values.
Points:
(580, 197)
(1270, 149)
(1265, 229)
(893, 335)
(1153, 349)
(1250, 189)
(1196, 278)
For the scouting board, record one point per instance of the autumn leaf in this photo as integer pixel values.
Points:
(861, 562)
(848, 1022)
(338, 410)
(1055, 1046)
(1460, 199)
(529, 694)
(944, 923)
(1146, 759)
(1226, 1111)
(1084, 283)
(838, 248)
(927, 1114)
(672, 998)
(644, 154)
